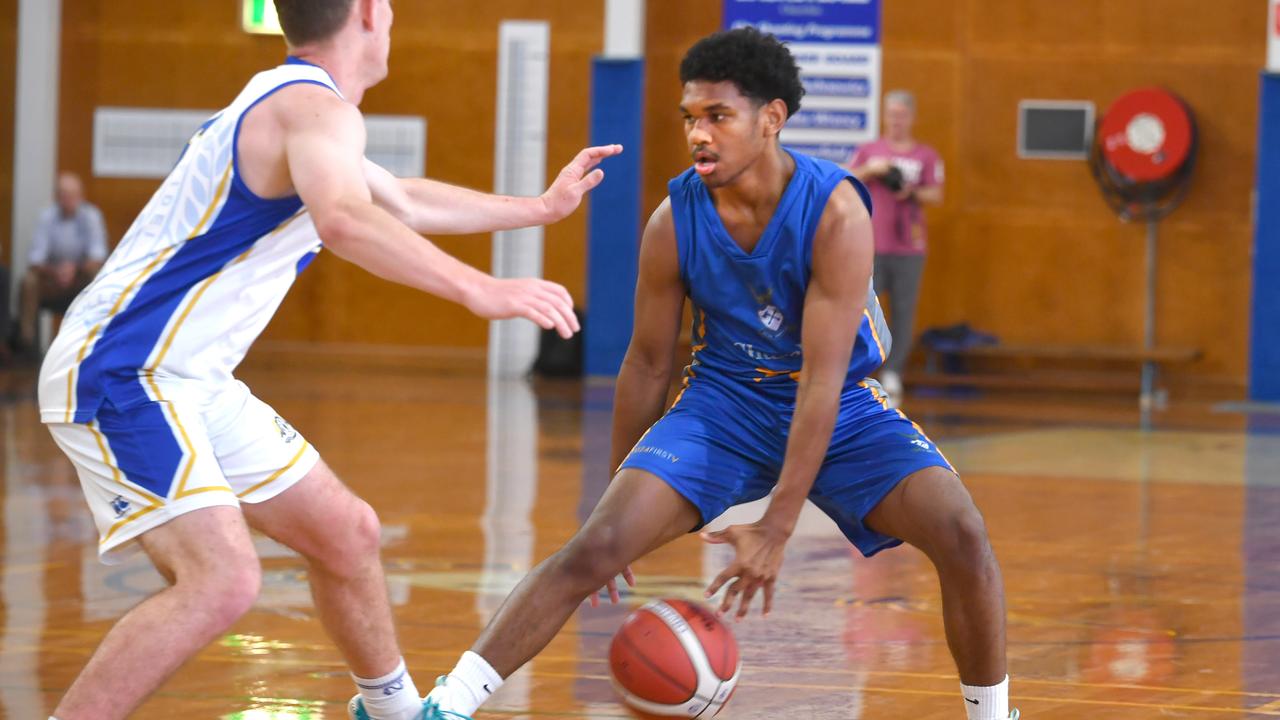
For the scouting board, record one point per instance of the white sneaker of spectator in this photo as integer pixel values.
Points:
(892, 384)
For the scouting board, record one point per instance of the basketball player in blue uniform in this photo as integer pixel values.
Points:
(176, 457)
(774, 250)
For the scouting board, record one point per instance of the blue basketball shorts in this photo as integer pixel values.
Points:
(720, 447)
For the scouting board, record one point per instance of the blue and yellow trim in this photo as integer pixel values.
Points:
(884, 402)
(153, 502)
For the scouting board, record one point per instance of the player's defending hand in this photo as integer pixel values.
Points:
(576, 180)
(546, 303)
(758, 548)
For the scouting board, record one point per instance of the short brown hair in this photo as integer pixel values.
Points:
(308, 21)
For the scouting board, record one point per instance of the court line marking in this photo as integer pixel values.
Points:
(951, 693)
(1262, 710)
(1266, 709)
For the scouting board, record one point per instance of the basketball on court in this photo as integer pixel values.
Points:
(674, 658)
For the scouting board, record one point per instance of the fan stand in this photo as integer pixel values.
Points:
(1150, 398)
(1150, 201)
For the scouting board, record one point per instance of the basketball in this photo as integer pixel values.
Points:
(674, 658)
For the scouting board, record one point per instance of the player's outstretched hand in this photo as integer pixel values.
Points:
(575, 180)
(545, 303)
(612, 587)
(758, 550)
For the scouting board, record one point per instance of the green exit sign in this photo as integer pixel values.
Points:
(259, 17)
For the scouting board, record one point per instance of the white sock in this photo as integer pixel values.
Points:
(466, 688)
(987, 702)
(390, 697)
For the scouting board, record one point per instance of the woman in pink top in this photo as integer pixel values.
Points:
(903, 175)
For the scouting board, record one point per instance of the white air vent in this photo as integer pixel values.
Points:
(146, 142)
(141, 142)
(398, 143)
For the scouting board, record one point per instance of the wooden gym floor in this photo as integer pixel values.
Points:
(1142, 568)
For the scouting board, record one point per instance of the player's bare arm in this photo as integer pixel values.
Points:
(324, 140)
(842, 257)
(431, 207)
(645, 375)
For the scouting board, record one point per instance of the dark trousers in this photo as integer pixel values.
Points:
(6, 315)
(897, 279)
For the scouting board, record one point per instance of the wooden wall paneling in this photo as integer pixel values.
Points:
(673, 25)
(1026, 248)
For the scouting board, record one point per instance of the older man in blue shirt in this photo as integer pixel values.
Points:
(67, 251)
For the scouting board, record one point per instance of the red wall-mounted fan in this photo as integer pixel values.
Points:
(1144, 149)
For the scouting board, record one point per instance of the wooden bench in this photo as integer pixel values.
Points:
(1088, 353)
(1150, 361)
(1029, 380)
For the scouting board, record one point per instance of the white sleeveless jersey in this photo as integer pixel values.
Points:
(193, 282)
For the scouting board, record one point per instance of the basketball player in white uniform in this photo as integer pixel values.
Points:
(176, 457)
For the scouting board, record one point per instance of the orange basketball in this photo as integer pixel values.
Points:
(674, 658)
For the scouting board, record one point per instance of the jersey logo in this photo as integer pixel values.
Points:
(656, 451)
(771, 317)
(286, 430)
(120, 505)
(919, 441)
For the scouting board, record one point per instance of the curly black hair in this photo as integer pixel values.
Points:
(758, 63)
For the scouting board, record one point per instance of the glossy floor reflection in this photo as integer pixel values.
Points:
(1143, 569)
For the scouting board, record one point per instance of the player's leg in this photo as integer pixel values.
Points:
(885, 482)
(687, 469)
(150, 477)
(638, 513)
(292, 496)
(932, 510)
(208, 558)
(338, 535)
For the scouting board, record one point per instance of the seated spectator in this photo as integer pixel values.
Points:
(67, 251)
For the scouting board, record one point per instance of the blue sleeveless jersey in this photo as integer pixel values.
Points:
(748, 307)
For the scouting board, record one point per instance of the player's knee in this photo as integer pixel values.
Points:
(357, 542)
(594, 556)
(364, 537)
(966, 543)
(367, 533)
(228, 590)
(244, 585)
